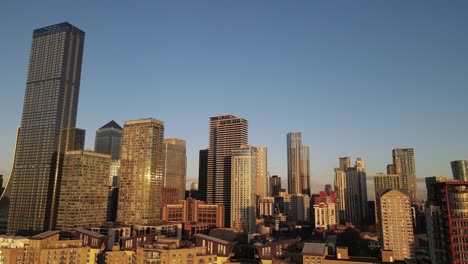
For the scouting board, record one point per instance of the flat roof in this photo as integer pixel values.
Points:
(313, 249)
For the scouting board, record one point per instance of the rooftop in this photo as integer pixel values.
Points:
(112, 125)
(314, 249)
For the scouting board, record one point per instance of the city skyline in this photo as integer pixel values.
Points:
(435, 138)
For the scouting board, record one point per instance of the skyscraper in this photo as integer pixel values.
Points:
(460, 170)
(202, 174)
(403, 162)
(141, 172)
(83, 191)
(262, 173)
(298, 164)
(49, 117)
(383, 183)
(175, 168)
(356, 193)
(345, 163)
(396, 224)
(243, 187)
(108, 139)
(227, 133)
(275, 185)
(325, 210)
(340, 190)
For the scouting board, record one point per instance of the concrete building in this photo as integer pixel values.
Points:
(340, 190)
(266, 206)
(298, 164)
(47, 126)
(221, 248)
(326, 210)
(273, 252)
(396, 224)
(243, 187)
(175, 168)
(141, 172)
(192, 210)
(83, 193)
(460, 170)
(261, 180)
(13, 249)
(404, 164)
(384, 182)
(447, 221)
(227, 132)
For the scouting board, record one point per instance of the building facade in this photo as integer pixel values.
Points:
(396, 224)
(202, 174)
(47, 124)
(325, 210)
(298, 164)
(175, 169)
(384, 182)
(404, 164)
(141, 172)
(83, 192)
(460, 170)
(262, 172)
(243, 187)
(227, 132)
(340, 190)
(275, 185)
(108, 139)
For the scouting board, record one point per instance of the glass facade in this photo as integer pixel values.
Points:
(175, 168)
(298, 164)
(108, 140)
(49, 117)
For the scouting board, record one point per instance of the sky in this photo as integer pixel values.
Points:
(357, 78)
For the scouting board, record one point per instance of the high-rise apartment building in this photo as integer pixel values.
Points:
(108, 139)
(384, 182)
(202, 174)
(340, 190)
(83, 191)
(262, 172)
(460, 170)
(266, 206)
(275, 185)
(447, 220)
(396, 224)
(49, 117)
(345, 163)
(298, 164)
(325, 210)
(175, 169)
(227, 133)
(243, 187)
(404, 164)
(141, 172)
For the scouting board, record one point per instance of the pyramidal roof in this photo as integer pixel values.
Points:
(112, 124)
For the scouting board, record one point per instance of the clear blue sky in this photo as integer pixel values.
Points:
(357, 78)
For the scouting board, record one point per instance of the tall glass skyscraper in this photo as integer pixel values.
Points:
(298, 165)
(227, 133)
(108, 139)
(460, 170)
(404, 164)
(47, 126)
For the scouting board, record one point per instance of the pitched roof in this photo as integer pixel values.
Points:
(112, 124)
(314, 249)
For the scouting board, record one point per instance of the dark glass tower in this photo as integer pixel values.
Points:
(202, 174)
(108, 139)
(47, 126)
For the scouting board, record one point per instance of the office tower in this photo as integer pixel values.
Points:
(83, 191)
(262, 173)
(345, 163)
(78, 139)
(446, 215)
(49, 114)
(391, 169)
(108, 139)
(340, 189)
(383, 183)
(431, 180)
(275, 185)
(266, 206)
(328, 188)
(175, 169)
(227, 133)
(460, 170)
(396, 224)
(243, 187)
(298, 164)
(403, 161)
(202, 174)
(325, 210)
(299, 210)
(356, 193)
(113, 191)
(141, 172)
